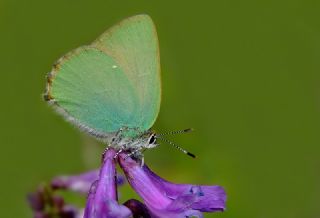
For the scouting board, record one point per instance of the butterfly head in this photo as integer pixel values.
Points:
(151, 140)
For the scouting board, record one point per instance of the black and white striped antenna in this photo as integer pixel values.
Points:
(175, 132)
(158, 136)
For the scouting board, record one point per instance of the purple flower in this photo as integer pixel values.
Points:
(161, 198)
(77, 183)
(208, 198)
(102, 198)
(45, 204)
(165, 199)
(80, 183)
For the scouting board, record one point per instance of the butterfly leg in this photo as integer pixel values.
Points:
(117, 137)
(138, 154)
(116, 141)
(136, 151)
(142, 161)
(118, 152)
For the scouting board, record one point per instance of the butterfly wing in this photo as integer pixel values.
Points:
(133, 43)
(112, 83)
(92, 91)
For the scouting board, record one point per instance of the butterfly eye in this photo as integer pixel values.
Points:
(152, 139)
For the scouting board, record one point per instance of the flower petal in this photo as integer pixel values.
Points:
(102, 198)
(44, 203)
(80, 183)
(165, 199)
(142, 184)
(164, 213)
(209, 198)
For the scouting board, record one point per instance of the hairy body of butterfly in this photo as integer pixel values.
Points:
(111, 88)
(133, 146)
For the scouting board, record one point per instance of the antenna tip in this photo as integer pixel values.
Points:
(191, 155)
(188, 130)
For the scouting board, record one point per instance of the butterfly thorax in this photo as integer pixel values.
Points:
(133, 142)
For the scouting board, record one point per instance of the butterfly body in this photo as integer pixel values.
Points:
(111, 88)
(133, 145)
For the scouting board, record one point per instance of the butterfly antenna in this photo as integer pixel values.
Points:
(176, 146)
(176, 132)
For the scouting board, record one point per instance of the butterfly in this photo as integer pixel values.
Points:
(111, 88)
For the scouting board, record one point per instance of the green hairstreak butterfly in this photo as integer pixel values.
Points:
(111, 88)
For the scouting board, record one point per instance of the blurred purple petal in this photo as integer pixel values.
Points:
(102, 199)
(165, 199)
(80, 183)
(36, 199)
(45, 204)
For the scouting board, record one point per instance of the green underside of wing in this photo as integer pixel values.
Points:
(133, 43)
(115, 82)
(91, 87)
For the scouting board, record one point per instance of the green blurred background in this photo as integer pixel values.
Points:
(244, 74)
